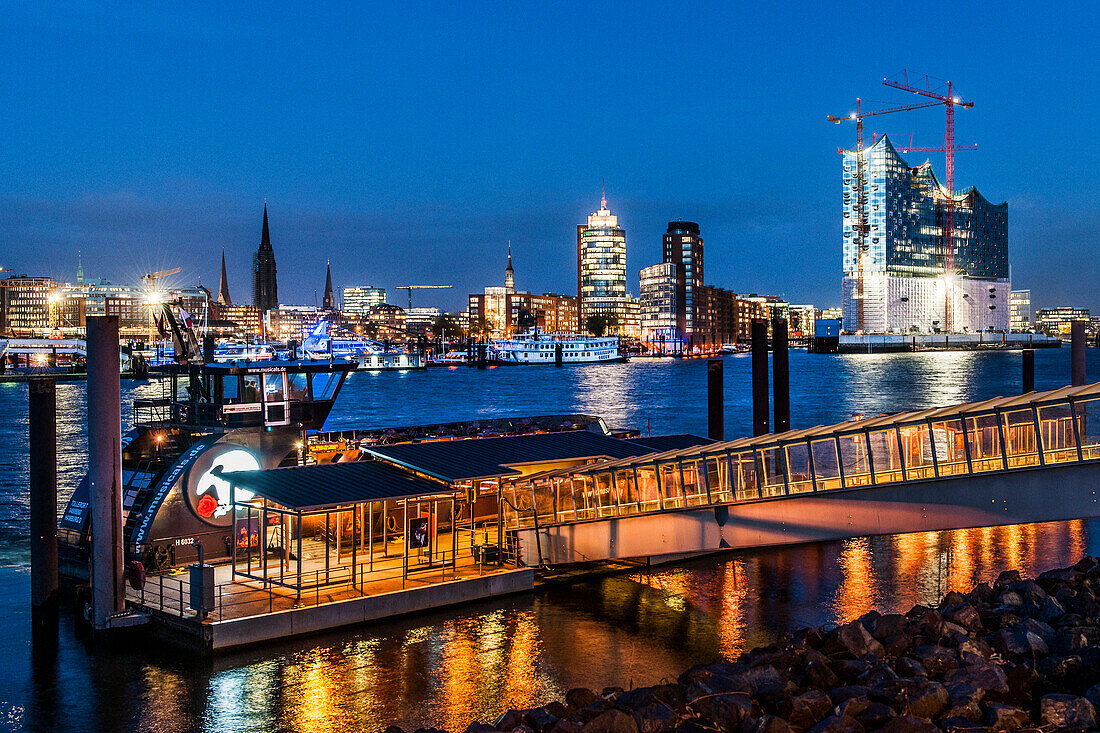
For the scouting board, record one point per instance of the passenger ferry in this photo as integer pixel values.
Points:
(388, 361)
(535, 348)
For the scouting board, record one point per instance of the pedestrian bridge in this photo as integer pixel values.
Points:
(1008, 460)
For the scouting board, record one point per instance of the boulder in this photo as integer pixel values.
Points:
(1000, 717)
(838, 724)
(726, 710)
(1067, 711)
(854, 640)
(772, 724)
(964, 615)
(935, 658)
(985, 677)
(805, 710)
(580, 697)
(909, 724)
(612, 721)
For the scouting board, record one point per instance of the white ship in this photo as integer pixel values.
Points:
(535, 348)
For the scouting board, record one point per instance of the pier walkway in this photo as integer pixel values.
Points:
(1028, 458)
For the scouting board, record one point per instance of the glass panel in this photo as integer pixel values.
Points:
(947, 437)
(297, 386)
(853, 457)
(624, 487)
(885, 456)
(744, 474)
(583, 497)
(250, 392)
(231, 391)
(771, 469)
(649, 498)
(799, 479)
(826, 465)
(567, 508)
(1021, 445)
(670, 482)
(718, 479)
(604, 499)
(323, 384)
(1056, 431)
(1088, 423)
(274, 389)
(985, 443)
(916, 451)
(695, 487)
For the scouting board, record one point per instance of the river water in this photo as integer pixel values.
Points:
(449, 668)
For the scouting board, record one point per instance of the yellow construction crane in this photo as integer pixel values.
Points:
(411, 288)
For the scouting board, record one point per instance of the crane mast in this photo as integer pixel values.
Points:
(949, 101)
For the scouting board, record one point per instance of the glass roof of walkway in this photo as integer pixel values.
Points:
(1004, 433)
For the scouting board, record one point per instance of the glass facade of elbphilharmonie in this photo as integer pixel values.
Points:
(906, 212)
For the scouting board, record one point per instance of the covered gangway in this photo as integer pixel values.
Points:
(1004, 434)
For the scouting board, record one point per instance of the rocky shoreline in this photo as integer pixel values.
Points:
(1018, 655)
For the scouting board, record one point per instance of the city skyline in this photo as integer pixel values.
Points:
(375, 176)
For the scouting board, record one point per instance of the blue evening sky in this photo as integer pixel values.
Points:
(407, 142)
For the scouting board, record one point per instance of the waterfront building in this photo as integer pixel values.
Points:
(388, 321)
(552, 313)
(905, 284)
(800, 321)
(659, 305)
(421, 321)
(1058, 321)
(293, 321)
(683, 247)
(265, 288)
(601, 270)
(361, 298)
(244, 321)
(1019, 310)
(25, 305)
(328, 302)
(223, 286)
(832, 314)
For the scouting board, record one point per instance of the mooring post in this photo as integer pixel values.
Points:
(558, 354)
(759, 376)
(716, 418)
(1029, 370)
(1077, 355)
(42, 444)
(781, 375)
(481, 355)
(105, 468)
(208, 348)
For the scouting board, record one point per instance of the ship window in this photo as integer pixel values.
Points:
(274, 389)
(251, 390)
(296, 383)
(231, 389)
(323, 385)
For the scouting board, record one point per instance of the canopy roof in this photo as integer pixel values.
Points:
(305, 488)
(460, 460)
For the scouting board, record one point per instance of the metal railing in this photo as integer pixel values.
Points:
(251, 596)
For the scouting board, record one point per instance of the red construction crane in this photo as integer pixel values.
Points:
(861, 226)
(950, 102)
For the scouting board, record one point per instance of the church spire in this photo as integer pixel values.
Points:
(265, 237)
(509, 273)
(223, 286)
(329, 301)
(79, 270)
(603, 194)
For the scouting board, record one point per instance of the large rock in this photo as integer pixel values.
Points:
(1067, 711)
(805, 710)
(1005, 717)
(612, 721)
(915, 696)
(580, 697)
(986, 677)
(964, 615)
(726, 710)
(838, 724)
(935, 658)
(909, 724)
(853, 639)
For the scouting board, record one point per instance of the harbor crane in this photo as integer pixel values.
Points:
(411, 288)
(861, 227)
(950, 101)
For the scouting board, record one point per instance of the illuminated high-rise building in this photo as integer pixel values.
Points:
(265, 289)
(601, 269)
(361, 298)
(683, 247)
(905, 284)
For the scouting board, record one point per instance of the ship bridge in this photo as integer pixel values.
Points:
(1008, 460)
